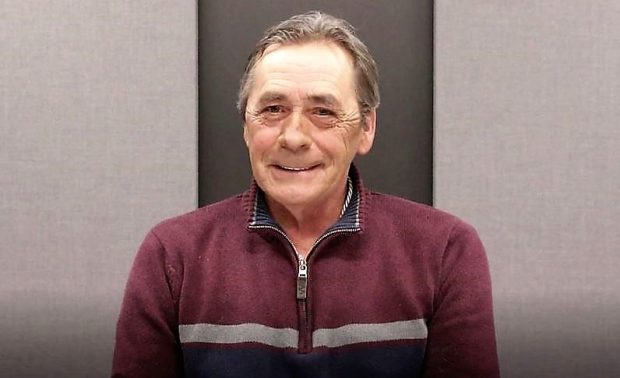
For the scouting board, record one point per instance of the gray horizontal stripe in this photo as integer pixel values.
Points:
(240, 333)
(363, 333)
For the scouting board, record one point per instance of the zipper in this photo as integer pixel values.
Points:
(305, 331)
(302, 278)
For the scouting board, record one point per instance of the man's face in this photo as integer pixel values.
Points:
(302, 123)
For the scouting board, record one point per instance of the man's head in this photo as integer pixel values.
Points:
(317, 26)
(309, 108)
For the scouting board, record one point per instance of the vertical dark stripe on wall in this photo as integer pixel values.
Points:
(400, 36)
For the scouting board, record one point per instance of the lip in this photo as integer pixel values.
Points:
(294, 168)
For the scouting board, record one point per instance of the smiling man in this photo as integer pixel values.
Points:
(309, 273)
(303, 127)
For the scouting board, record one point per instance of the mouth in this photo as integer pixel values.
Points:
(295, 169)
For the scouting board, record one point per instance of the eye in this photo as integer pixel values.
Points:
(324, 112)
(273, 113)
(273, 109)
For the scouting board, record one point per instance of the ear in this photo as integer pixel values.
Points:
(368, 133)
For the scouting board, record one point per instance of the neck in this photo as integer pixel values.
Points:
(304, 224)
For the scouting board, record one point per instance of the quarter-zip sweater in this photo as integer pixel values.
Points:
(393, 289)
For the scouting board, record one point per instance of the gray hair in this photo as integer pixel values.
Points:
(317, 26)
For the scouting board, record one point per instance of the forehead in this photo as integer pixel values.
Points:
(309, 69)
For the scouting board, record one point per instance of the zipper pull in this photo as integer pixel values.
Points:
(302, 279)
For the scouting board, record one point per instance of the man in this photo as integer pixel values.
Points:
(308, 273)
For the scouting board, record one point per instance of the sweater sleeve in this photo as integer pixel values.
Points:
(147, 341)
(461, 337)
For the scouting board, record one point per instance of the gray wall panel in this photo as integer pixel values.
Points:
(98, 143)
(526, 148)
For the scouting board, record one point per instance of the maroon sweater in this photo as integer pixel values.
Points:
(394, 289)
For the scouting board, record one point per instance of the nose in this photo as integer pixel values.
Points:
(294, 135)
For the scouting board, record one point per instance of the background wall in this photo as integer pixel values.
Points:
(527, 141)
(98, 143)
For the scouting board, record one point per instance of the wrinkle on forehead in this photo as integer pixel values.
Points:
(337, 52)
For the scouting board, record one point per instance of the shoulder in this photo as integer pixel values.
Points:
(452, 243)
(414, 222)
(385, 207)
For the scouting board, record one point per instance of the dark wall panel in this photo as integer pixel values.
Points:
(400, 38)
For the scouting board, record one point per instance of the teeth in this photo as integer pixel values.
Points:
(293, 169)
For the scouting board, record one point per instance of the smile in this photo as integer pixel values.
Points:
(295, 169)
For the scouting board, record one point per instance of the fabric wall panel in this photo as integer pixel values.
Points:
(526, 148)
(98, 144)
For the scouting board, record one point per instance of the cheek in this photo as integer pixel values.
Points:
(262, 139)
(338, 143)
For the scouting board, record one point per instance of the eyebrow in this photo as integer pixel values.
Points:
(268, 97)
(324, 99)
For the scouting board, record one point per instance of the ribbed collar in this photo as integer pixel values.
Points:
(350, 219)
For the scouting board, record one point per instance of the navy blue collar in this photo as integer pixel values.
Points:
(349, 219)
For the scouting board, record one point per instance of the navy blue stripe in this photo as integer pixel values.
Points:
(386, 361)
